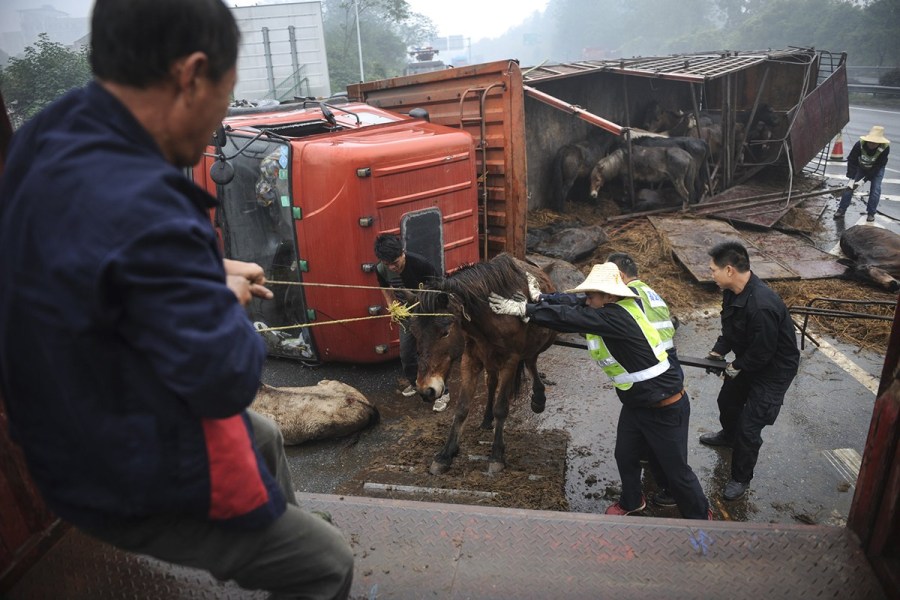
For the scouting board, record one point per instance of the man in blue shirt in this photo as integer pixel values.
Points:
(127, 360)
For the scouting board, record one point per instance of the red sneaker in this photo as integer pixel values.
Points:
(617, 509)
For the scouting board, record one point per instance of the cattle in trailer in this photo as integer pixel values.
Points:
(657, 119)
(573, 162)
(496, 345)
(650, 165)
(697, 148)
(873, 256)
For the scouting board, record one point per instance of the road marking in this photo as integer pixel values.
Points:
(887, 112)
(856, 372)
(846, 461)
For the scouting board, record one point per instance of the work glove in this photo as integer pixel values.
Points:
(854, 184)
(713, 355)
(534, 288)
(514, 306)
(731, 372)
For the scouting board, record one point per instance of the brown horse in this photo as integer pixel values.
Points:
(499, 346)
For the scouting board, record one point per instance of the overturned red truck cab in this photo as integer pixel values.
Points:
(305, 188)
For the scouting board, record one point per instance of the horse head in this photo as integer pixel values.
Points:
(439, 340)
(607, 168)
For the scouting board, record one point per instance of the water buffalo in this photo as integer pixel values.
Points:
(573, 162)
(697, 148)
(873, 255)
(657, 119)
(651, 165)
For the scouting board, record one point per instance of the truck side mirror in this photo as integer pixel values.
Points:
(219, 138)
(420, 113)
(221, 172)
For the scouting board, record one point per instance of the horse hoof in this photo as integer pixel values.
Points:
(495, 467)
(438, 468)
(538, 407)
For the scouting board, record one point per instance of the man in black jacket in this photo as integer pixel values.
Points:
(402, 270)
(866, 162)
(756, 326)
(655, 408)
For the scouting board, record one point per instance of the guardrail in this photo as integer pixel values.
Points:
(875, 90)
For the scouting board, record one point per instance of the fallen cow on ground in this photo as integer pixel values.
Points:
(873, 255)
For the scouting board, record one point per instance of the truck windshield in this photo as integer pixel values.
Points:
(257, 225)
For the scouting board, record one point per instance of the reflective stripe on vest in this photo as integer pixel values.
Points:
(621, 378)
(656, 310)
(866, 160)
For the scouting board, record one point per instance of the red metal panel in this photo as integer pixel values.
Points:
(821, 116)
(486, 100)
(875, 512)
(411, 165)
(24, 518)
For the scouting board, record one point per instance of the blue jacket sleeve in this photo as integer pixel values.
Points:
(179, 312)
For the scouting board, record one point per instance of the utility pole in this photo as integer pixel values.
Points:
(362, 76)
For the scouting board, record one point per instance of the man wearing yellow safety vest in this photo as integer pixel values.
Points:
(655, 408)
(866, 162)
(657, 312)
(653, 306)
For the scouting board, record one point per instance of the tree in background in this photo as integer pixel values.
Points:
(879, 38)
(826, 24)
(865, 29)
(46, 71)
(387, 29)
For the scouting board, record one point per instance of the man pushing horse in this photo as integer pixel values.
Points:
(655, 407)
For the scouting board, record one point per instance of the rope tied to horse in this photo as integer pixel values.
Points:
(397, 311)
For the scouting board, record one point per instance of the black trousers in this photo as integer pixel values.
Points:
(747, 404)
(298, 556)
(665, 432)
(409, 356)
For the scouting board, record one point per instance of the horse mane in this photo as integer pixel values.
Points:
(471, 285)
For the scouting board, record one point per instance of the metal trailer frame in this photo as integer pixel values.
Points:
(519, 119)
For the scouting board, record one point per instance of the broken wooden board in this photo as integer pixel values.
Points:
(765, 200)
(804, 259)
(691, 239)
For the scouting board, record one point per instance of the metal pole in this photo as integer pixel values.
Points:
(270, 70)
(362, 76)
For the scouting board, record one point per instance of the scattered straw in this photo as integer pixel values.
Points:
(660, 269)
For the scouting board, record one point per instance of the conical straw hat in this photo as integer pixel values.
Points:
(876, 136)
(604, 278)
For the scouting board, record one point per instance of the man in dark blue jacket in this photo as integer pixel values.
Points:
(127, 360)
(756, 326)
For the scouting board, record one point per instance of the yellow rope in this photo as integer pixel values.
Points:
(397, 312)
(346, 285)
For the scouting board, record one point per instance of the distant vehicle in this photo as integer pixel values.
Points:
(424, 61)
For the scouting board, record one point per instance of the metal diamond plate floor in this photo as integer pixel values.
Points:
(427, 550)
